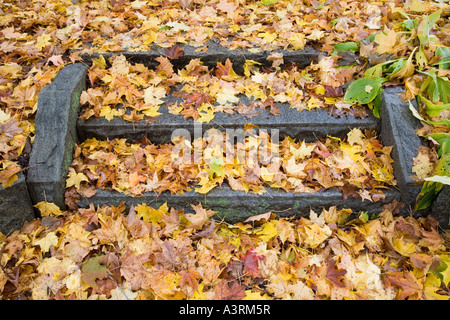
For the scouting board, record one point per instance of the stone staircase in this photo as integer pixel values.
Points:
(58, 128)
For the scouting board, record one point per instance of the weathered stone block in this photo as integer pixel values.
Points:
(15, 206)
(55, 126)
(398, 127)
(440, 208)
(215, 53)
(234, 206)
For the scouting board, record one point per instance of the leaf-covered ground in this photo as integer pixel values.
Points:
(164, 253)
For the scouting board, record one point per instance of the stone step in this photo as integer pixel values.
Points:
(215, 53)
(234, 206)
(305, 125)
(56, 133)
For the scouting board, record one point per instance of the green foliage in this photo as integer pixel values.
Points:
(365, 91)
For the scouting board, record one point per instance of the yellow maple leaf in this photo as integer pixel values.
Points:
(431, 286)
(75, 179)
(152, 111)
(233, 237)
(49, 240)
(303, 151)
(153, 95)
(297, 41)
(48, 209)
(315, 235)
(268, 230)
(386, 41)
(42, 41)
(100, 62)
(205, 113)
(402, 247)
(108, 113)
(150, 214)
(268, 36)
(446, 272)
(355, 136)
(254, 295)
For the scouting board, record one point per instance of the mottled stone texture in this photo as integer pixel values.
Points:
(305, 125)
(15, 206)
(398, 127)
(234, 206)
(52, 152)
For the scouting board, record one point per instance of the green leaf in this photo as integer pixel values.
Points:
(432, 109)
(443, 165)
(425, 26)
(444, 142)
(346, 46)
(438, 88)
(216, 167)
(430, 191)
(363, 91)
(364, 216)
(444, 52)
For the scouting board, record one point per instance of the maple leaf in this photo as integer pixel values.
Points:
(56, 60)
(75, 179)
(407, 283)
(251, 259)
(133, 270)
(42, 41)
(11, 128)
(355, 136)
(174, 254)
(46, 242)
(165, 66)
(174, 52)
(200, 217)
(48, 209)
(94, 269)
(226, 6)
(303, 151)
(386, 41)
(9, 175)
(333, 274)
(137, 227)
(189, 277)
(225, 71)
(225, 290)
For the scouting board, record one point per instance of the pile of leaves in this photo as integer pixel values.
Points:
(162, 253)
(38, 37)
(359, 165)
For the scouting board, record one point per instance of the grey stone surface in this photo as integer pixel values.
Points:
(215, 53)
(55, 126)
(15, 206)
(440, 208)
(234, 206)
(305, 125)
(398, 129)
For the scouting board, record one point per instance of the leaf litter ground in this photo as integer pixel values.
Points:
(163, 253)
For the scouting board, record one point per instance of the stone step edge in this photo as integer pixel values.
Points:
(305, 125)
(234, 206)
(215, 53)
(55, 125)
